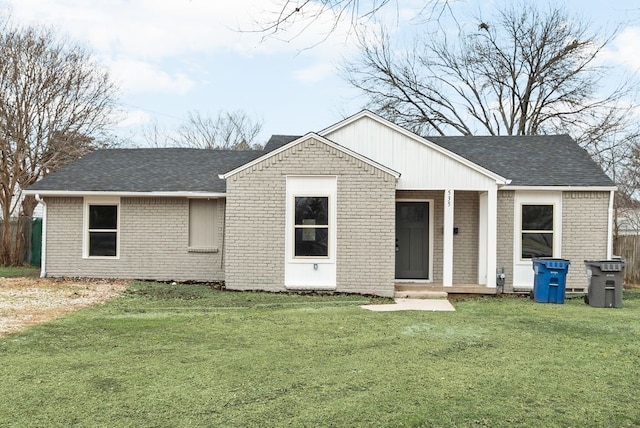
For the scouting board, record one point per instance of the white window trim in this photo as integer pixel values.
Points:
(311, 186)
(85, 226)
(546, 198)
(328, 226)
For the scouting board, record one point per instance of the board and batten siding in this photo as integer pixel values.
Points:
(255, 220)
(422, 167)
(154, 239)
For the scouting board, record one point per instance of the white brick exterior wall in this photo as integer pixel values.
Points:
(504, 253)
(584, 232)
(255, 220)
(154, 234)
(154, 231)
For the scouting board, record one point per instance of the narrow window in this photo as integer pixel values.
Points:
(202, 225)
(311, 228)
(537, 231)
(103, 230)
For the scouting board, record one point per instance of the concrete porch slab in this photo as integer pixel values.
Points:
(413, 305)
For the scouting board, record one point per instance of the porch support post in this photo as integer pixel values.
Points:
(492, 235)
(447, 256)
(612, 195)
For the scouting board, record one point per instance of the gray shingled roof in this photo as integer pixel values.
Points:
(532, 160)
(545, 160)
(147, 170)
(277, 141)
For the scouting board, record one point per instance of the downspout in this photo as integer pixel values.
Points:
(610, 227)
(43, 244)
(224, 233)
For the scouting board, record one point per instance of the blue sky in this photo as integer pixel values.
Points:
(170, 57)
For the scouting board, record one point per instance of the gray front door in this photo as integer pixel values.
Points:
(412, 240)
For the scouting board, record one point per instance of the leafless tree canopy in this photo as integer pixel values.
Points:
(55, 105)
(234, 130)
(524, 71)
(288, 19)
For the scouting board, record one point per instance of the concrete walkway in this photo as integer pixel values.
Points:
(413, 305)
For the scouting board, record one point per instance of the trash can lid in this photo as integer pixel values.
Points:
(551, 263)
(615, 265)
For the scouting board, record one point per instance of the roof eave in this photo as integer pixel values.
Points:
(80, 193)
(562, 188)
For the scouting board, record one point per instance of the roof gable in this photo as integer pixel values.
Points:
(531, 161)
(283, 145)
(423, 164)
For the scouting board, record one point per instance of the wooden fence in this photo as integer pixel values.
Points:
(33, 232)
(628, 247)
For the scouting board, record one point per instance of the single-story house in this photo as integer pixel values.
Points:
(362, 206)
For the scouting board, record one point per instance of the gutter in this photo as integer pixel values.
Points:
(43, 244)
(82, 193)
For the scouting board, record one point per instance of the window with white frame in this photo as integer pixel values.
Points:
(311, 226)
(102, 220)
(537, 231)
(203, 233)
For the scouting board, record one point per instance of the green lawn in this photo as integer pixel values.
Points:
(167, 356)
(15, 271)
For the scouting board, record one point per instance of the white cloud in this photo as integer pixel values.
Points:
(132, 118)
(624, 49)
(136, 76)
(131, 35)
(314, 73)
(158, 29)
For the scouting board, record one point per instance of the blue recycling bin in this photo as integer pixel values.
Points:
(550, 279)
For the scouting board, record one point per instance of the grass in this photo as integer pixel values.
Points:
(168, 356)
(17, 271)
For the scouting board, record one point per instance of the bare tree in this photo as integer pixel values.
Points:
(154, 135)
(55, 105)
(290, 18)
(524, 72)
(227, 130)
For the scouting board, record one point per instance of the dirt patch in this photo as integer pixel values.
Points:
(28, 301)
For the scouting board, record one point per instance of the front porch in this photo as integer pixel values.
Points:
(446, 241)
(417, 290)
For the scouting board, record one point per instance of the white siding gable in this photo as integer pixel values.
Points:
(422, 165)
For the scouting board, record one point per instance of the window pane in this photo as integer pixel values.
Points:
(537, 245)
(537, 217)
(411, 214)
(103, 217)
(312, 211)
(312, 242)
(102, 243)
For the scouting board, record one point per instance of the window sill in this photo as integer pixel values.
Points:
(202, 250)
(311, 287)
(101, 257)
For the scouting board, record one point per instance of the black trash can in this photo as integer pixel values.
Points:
(605, 283)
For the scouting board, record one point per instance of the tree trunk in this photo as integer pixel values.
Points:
(5, 249)
(23, 231)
